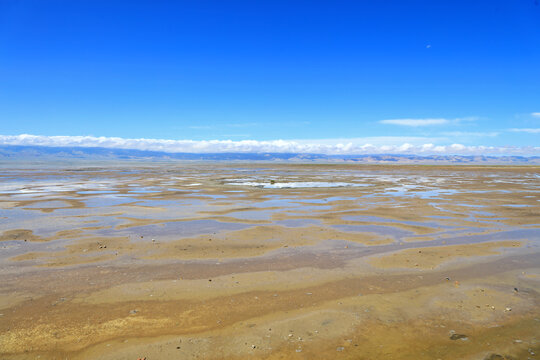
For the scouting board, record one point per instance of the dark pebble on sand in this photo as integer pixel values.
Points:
(458, 337)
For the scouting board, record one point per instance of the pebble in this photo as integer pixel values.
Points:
(340, 348)
(458, 337)
(508, 309)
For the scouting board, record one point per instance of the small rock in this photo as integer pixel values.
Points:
(458, 337)
(508, 309)
(340, 348)
(253, 346)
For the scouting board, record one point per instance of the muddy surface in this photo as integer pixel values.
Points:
(269, 261)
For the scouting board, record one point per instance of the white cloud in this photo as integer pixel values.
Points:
(535, 114)
(405, 147)
(415, 122)
(354, 146)
(457, 147)
(530, 131)
(374, 140)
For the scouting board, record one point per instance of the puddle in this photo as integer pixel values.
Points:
(257, 215)
(298, 222)
(470, 205)
(96, 192)
(397, 234)
(104, 201)
(368, 218)
(145, 192)
(48, 205)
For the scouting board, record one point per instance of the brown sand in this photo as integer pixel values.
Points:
(166, 269)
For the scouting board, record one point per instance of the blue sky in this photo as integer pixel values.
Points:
(322, 72)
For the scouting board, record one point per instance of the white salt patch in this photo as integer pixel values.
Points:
(287, 185)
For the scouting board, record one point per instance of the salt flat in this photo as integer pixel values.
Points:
(271, 261)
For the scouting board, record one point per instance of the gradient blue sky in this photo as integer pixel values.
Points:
(463, 72)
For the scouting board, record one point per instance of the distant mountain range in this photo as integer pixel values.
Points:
(42, 153)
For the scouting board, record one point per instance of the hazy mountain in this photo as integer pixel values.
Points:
(41, 153)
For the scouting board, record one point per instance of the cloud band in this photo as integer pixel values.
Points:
(343, 147)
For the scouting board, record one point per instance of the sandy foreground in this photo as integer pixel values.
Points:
(269, 261)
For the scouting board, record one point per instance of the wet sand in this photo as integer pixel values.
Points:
(269, 261)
